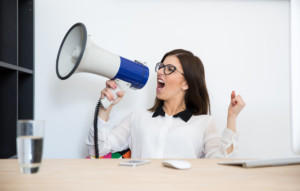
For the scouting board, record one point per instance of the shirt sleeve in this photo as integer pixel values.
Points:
(215, 146)
(110, 139)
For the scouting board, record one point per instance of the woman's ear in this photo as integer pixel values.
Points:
(185, 86)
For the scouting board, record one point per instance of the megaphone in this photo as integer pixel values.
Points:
(77, 53)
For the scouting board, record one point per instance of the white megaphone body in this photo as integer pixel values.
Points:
(77, 53)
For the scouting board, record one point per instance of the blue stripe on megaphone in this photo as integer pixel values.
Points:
(132, 72)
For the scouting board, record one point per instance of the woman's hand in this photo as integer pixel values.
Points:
(104, 113)
(236, 105)
(109, 94)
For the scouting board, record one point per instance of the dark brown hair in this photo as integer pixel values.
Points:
(196, 97)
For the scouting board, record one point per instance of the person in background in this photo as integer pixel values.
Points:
(179, 124)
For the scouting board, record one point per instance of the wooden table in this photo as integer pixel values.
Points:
(106, 174)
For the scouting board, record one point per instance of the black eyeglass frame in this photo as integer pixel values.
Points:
(171, 67)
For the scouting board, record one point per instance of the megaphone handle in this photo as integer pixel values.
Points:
(105, 102)
(121, 86)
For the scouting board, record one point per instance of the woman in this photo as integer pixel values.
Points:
(178, 125)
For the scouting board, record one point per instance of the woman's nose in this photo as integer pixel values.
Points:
(160, 71)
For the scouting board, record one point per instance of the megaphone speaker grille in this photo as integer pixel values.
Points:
(71, 51)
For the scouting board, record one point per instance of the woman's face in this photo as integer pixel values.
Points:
(173, 85)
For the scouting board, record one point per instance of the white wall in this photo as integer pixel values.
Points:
(244, 46)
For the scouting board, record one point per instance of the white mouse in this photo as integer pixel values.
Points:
(178, 164)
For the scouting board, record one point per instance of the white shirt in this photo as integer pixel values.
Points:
(163, 137)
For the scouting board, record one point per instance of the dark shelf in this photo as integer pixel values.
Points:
(4, 65)
(25, 25)
(25, 96)
(16, 69)
(8, 108)
(9, 31)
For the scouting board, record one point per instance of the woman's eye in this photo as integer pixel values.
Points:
(170, 69)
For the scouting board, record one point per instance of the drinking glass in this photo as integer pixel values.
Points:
(30, 136)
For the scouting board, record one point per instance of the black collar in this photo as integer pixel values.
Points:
(184, 115)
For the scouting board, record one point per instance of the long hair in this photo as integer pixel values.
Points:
(196, 97)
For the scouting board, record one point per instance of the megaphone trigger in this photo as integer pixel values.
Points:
(140, 62)
(121, 86)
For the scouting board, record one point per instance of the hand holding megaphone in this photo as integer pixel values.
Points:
(113, 93)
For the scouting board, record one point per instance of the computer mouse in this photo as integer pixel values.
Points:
(178, 164)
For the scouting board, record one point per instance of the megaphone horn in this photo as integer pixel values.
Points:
(77, 53)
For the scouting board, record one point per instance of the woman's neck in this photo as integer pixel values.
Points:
(174, 107)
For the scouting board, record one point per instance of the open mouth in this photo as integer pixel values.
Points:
(160, 85)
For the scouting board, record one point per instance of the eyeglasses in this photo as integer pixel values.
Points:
(168, 69)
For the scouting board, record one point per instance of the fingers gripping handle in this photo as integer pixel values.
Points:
(121, 86)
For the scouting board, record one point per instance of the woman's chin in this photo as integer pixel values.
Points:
(159, 96)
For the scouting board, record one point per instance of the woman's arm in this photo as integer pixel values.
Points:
(108, 140)
(216, 146)
(235, 107)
